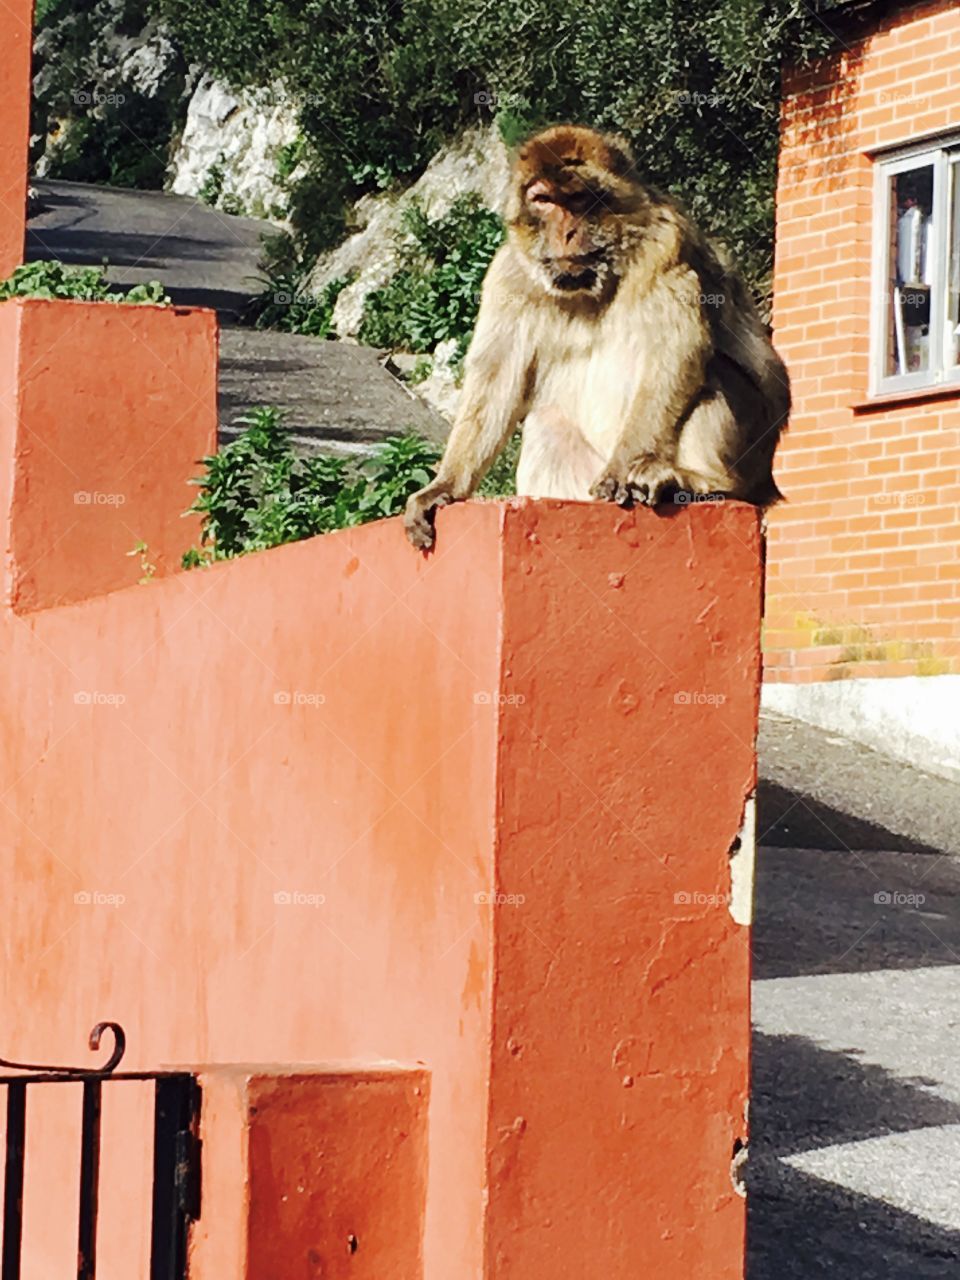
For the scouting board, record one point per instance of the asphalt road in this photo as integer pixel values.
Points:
(854, 1169)
(337, 397)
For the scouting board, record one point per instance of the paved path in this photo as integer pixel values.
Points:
(336, 396)
(855, 1147)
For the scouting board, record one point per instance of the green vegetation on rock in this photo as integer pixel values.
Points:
(286, 302)
(435, 294)
(77, 284)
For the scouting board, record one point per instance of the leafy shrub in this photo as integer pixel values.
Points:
(289, 155)
(211, 188)
(80, 284)
(436, 293)
(285, 301)
(292, 309)
(258, 493)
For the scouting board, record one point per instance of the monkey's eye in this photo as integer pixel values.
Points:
(541, 197)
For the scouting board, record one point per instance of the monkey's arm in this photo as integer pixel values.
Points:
(491, 405)
(643, 462)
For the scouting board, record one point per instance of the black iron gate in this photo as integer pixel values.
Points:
(176, 1157)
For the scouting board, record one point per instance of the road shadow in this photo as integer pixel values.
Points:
(801, 1227)
(792, 820)
(806, 1229)
(825, 912)
(804, 1096)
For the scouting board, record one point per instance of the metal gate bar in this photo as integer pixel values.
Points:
(175, 1174)
(176, 1178)
(89, 1180)
(13, 1179)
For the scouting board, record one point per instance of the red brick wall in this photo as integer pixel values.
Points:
(863, 558)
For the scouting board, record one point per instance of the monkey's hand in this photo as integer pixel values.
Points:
(421, 510)
(645, 480)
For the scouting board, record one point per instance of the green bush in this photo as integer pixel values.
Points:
(79, 284)
(285, 301)
(258, 493)
(436, 293)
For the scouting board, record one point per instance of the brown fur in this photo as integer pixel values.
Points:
(611, 328)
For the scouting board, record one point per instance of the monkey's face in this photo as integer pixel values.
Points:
(569, 235)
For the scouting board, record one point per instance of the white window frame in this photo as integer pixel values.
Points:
(941, 154)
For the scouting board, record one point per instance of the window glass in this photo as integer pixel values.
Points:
(952, 336)
(910, 271)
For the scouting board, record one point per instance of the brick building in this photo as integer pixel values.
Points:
(864, 558)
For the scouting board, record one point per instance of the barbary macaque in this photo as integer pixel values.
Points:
(610, 327)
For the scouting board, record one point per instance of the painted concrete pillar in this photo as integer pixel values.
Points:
(319, 1174)
(619, 1017)
(110, 409)
(16, 18)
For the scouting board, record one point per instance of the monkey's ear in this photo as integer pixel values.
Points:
(620, 154)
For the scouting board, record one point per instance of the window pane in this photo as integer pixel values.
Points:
(953, 272)
(910, 271)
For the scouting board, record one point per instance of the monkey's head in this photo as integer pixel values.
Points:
(571, 188)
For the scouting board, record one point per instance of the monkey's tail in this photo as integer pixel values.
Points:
(768, 494)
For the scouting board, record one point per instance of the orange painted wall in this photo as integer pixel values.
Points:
(465, 817)
(862, 566)
(384, 741)
(109, 410)
(15, 27)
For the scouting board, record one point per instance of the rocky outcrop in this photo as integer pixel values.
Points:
(230, 150)
(476, 164)
(92, 64)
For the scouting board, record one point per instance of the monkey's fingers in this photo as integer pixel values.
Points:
(610, 488)
(418, 523)
(651, 482)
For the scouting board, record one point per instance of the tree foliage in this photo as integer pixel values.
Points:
(694, 84)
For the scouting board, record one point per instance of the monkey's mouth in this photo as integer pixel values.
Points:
(584, 273)
(572, 281)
